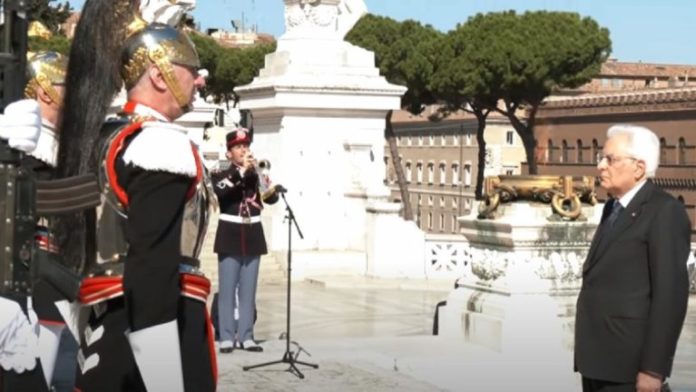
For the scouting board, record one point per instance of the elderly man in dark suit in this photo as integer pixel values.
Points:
(634, 292)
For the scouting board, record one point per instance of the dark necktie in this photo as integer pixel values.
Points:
(615, 211)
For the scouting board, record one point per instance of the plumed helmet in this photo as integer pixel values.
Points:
(45, 69)
(162, 46)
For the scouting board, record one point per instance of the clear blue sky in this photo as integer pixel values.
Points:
(656, 31)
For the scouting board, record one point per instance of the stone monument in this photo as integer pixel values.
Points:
(319, 108)
(526, 246)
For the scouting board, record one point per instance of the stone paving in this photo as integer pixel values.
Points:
(376, 335)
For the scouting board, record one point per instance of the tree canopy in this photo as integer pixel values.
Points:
(52, 16)
(237, 67)
(405, 54)
(522, 59)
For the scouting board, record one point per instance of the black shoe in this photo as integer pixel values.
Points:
(226, 348)
(252, 346)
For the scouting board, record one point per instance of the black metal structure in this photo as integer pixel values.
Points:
(289, 357)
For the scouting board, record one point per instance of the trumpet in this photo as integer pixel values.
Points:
(259, 166)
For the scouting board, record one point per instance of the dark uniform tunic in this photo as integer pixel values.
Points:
(158, 185)
(240, 198)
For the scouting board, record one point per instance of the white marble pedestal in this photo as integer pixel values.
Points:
(523, 279)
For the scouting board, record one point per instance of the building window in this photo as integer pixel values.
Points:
(443, 140)
(467, 174)
(455, 174)
(442, 202)
(595, 150)
(682, 151)
(420, 140)
(509, 172)
(468, 137)
(580, 157)
(509, 138)
(467, 204)
(408, 173)
(443, 173)
(420, 200)
(454, 223)
(442, 222)
(431, 140)
(455, 139)
(409, 142)
(431, 173)
(549, 151)
(454, 203)
(564, 151)
(430, 220)
(663, 150)
(430, 201)
(419, 172)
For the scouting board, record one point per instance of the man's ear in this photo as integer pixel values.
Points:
(228, 154)
(156, 78)
(641, 170)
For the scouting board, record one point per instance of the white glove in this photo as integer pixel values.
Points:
(21, 124)
(165, 11)
(18, 341)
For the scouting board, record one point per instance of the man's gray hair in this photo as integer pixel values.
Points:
(643, 145)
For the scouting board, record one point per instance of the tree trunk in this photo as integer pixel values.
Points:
(481, 117)
(526, 133)
(396, 162)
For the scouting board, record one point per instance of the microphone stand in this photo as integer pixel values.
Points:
(289, 356)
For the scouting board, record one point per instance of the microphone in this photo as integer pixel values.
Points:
(280, 189)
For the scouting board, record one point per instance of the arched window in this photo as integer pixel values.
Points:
(595, 150)
(409, 175)
(682, 151)
(431, 173)
(443, 173)
(549, 151)
(663, 150)
(467, 174)
(564, 151)
(455, 174)
(580, 155)
(442, 222)
(419, 173)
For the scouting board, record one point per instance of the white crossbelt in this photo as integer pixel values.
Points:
(240, 219)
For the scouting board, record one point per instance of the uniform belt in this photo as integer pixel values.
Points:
(240, 219)
(99, 289)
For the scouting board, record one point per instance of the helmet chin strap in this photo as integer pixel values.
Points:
(159, 58)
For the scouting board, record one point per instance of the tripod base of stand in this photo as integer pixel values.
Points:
(289, 359)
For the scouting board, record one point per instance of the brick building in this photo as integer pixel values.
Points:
(570, 132)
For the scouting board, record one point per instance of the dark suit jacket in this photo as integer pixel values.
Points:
(634, 290)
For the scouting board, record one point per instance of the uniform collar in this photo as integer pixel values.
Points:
(132, 107)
